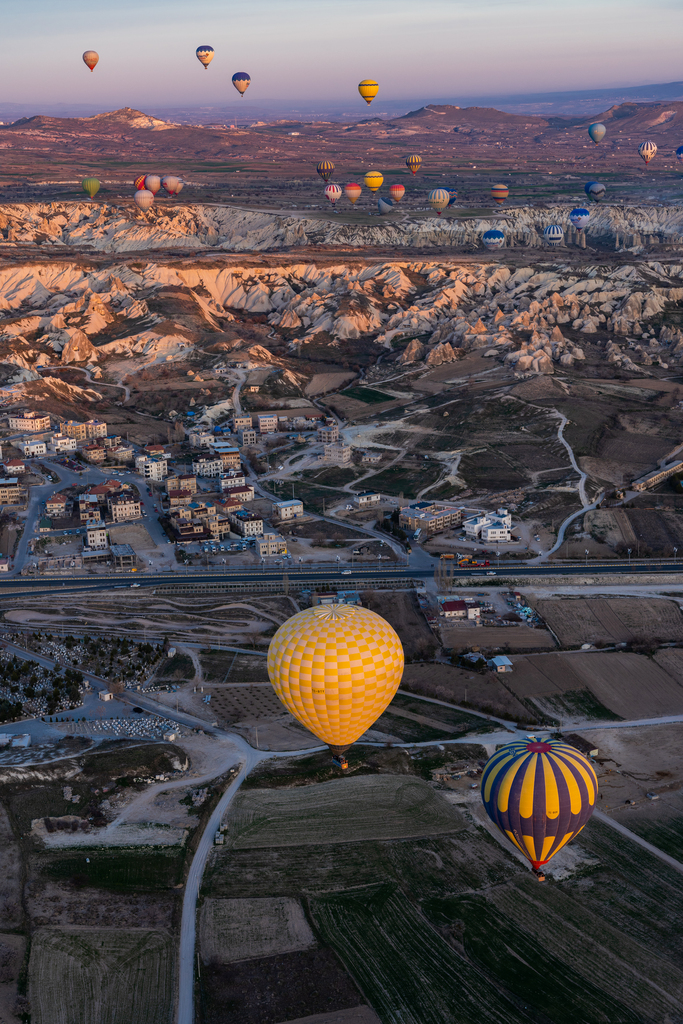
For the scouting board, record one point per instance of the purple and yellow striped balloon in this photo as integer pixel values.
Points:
(540, 794)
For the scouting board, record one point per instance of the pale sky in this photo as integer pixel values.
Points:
(318, 50)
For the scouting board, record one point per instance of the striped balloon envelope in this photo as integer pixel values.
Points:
(500, 193)
(397, 192)
(553, 234)
(413, 163)
(438, 199)
(352, 191)
(647, 151)
(325, 169)
(540, 794)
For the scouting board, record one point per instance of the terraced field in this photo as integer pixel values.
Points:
(112, 976)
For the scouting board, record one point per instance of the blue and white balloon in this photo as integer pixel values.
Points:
(553, 235)
(579, 218)
(595, 191)
(679, 154)
(384, 205)
(493, 239)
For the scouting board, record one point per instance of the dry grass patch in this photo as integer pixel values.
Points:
(611, 620)
(491, 638)
(232, 930)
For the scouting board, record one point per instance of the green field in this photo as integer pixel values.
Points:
(367, 395)
(405, 481)
(112, 976)
(120, 870)
(365, 807)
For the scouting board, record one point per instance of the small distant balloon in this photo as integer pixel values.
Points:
(352, 192)
(500, 193)
(384, 205)
(397, 193)
(368, 89)
(595, 191)
(439, 199)
(553, 234)
(91, 186)
(597, 132)
(144, 198)
(241, 81)
(180, 186)
(679, 154)
(333, 193)
(579, 218)
(205, 55)
(493, 239)
(170, 183)
(325, 169)
(140, 181)
(647, 151)
(91, 59)
(413, 163)
(373, 180)
(152, 183)
(453, 193)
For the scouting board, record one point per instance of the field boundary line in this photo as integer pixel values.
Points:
(634, 837)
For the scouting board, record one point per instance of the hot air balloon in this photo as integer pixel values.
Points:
(241, 81)
(679, 154)
(352, 192)
(335, 668)
(170, 183)
(144, 198)
(500, 193)
(368, 89)
(453, 193)
(180, 186)
(594, 190)
(140, 181)
(493, 239)
(91, 186)
(397, 192)
(540, 794)
(597, 132)
(384, 205)
(373, 180)
(413, 163)
(553, 234)
(152, 183)
(325, 169)
(205, 55)
(333, 193)
(91, 59)
(579, 218)
(439, 199)
(647, 151)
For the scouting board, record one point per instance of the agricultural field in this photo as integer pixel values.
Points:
(231, 930)
(412, 720)
(577, 621)
(113, 976)
(595, 685)
(657, 532)
(401, 610)
(481, 691)
(495, 638)
(366, 807)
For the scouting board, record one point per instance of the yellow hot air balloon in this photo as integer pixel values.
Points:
(368, 89)
(413, 163)
(336, 668)
(373, 180)
(91, 186)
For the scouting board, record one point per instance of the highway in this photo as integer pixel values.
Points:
(331, 574)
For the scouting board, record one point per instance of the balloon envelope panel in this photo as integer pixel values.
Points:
(540, 794)
(325, 169)
(336, 668)
(553, 234)
(414, 162)
(647, 151)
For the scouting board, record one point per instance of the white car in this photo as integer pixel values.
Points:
(490, 574)
(346, 572)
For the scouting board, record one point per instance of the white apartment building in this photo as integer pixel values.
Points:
(33, 421)
(329, 433)
(267, 423)
(233, 478)
(151, 469)
(247, 437)
(247, 524)
(201, 438)
(33, 448)
(492, 528)
(367, 499)
(62, 443)
(123, 507)
(242, 423)
(339, 454)
(285, 510)
(96, 536)
(208, 467)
